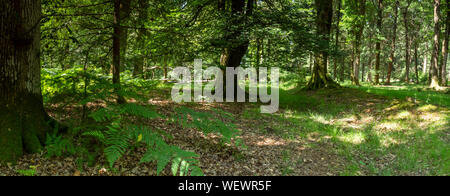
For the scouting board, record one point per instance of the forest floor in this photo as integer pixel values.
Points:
(348, 131)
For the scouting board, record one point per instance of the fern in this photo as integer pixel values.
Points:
(58, 146)
(209, 123)
(119, 138)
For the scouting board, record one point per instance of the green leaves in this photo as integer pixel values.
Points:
(119, 137)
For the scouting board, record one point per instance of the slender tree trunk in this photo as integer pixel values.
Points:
(23, 121)
(416, 62)
(425, 60)
(116, 51)
(378, 44)
(125, 9)
(338, 20)
(357, 43)
(393, 45)
(445, 47)
(320, 78)
(407, 43)
(436, 39)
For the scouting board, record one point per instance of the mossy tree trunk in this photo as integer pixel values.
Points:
(23, 121)
(320, 78)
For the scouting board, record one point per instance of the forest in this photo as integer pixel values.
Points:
(357, 88)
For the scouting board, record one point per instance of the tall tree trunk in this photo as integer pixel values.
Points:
(142, 33)
(338, 20)
(393, 45)
(378, 43)
(416, 62)
(445, 47)
(23, 121)
(425, 60)
(361, 6)
(436, 39)
(116, 51)
(320, 78)
(407, 43)
(125, 9)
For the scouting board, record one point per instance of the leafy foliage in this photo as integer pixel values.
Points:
(119, 138)
(57, 146)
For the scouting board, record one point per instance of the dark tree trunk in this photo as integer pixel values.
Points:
(320, 78)
(23, 121)
(393, 45)
(116, 51)
(378, 43)
(236, 48)
(436, 39)
(416, 62)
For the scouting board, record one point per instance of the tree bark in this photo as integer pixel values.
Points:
(378, 43)
(393, 45)
(116, 51)
(436, 39)
(125, 10)
(23, 121)
(320, 78)
(236, 48)
(445, 47)
(361, 6)
(416, 62)
(338, 20)
(407, 43)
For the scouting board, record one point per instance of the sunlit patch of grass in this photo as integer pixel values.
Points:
(389, 126)
(402, 115)
(427, 108)
(353, 137)
(431, 116)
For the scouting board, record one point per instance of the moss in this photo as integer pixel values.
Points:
(23, 128)
(10, 136)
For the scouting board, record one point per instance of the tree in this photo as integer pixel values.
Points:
(436, 39)
(378, 43)
(22, 117)
(236, 42)
(142, 33)
(338, 20)
(116, 50)
(407, 41)
(393, 44)
(358, 10)
(320, 78)
(443, 69)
